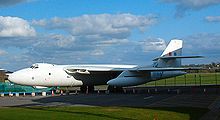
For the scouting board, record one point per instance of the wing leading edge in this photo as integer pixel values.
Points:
(86, 69)
(131, 68)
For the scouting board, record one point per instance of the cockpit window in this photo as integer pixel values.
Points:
(34, 66)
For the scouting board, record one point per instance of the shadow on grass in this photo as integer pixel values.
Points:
(194, 113)
(79, 113)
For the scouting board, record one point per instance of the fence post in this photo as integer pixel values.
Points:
(195, 79)
(216, 82)
(165, 82)
(200, 80)
(174, 81)
(185, 79)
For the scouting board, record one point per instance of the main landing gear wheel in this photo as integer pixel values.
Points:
(115, 89)
(87, 89)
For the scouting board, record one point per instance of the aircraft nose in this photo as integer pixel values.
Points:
(22, 77)
(16, 77)
(12, 77)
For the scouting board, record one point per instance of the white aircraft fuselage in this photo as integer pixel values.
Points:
(43, 74)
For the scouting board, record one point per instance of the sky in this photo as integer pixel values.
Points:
(105, 31)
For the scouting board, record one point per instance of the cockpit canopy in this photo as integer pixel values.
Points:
(42, 65)
(34, 66)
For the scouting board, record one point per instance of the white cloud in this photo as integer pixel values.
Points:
(203, 43)
(212, 18)
(84, 39)
(63, 41)
(152, 44)
(2, 52)
(97, 52)
(15, 27)
(67, 49)
(113, 42)
(183, 5)
(105, 25)
(41, 22)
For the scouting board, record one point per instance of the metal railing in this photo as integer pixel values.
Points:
(192, 79)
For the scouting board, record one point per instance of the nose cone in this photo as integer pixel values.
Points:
(13, 77)
(18, 77)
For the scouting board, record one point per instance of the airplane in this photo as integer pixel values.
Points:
(87, 76)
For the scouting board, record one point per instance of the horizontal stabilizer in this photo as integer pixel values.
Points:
(139, 69)
(176, 57)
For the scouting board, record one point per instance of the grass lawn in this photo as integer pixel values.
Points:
(100, 113)
(189, 79)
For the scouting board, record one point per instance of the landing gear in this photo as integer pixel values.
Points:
(115, 89)
(87, 89)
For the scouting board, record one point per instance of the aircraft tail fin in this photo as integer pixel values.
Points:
(172, 55)
(174, 48)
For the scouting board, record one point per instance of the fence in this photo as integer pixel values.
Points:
(192, 79)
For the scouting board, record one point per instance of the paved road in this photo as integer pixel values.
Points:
(138, 100)
(133, 100)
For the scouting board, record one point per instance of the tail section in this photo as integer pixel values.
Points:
(169, 56)
(174, 48)
(172, 55)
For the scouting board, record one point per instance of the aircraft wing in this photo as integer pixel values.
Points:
(86, 69)
(132, 68)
